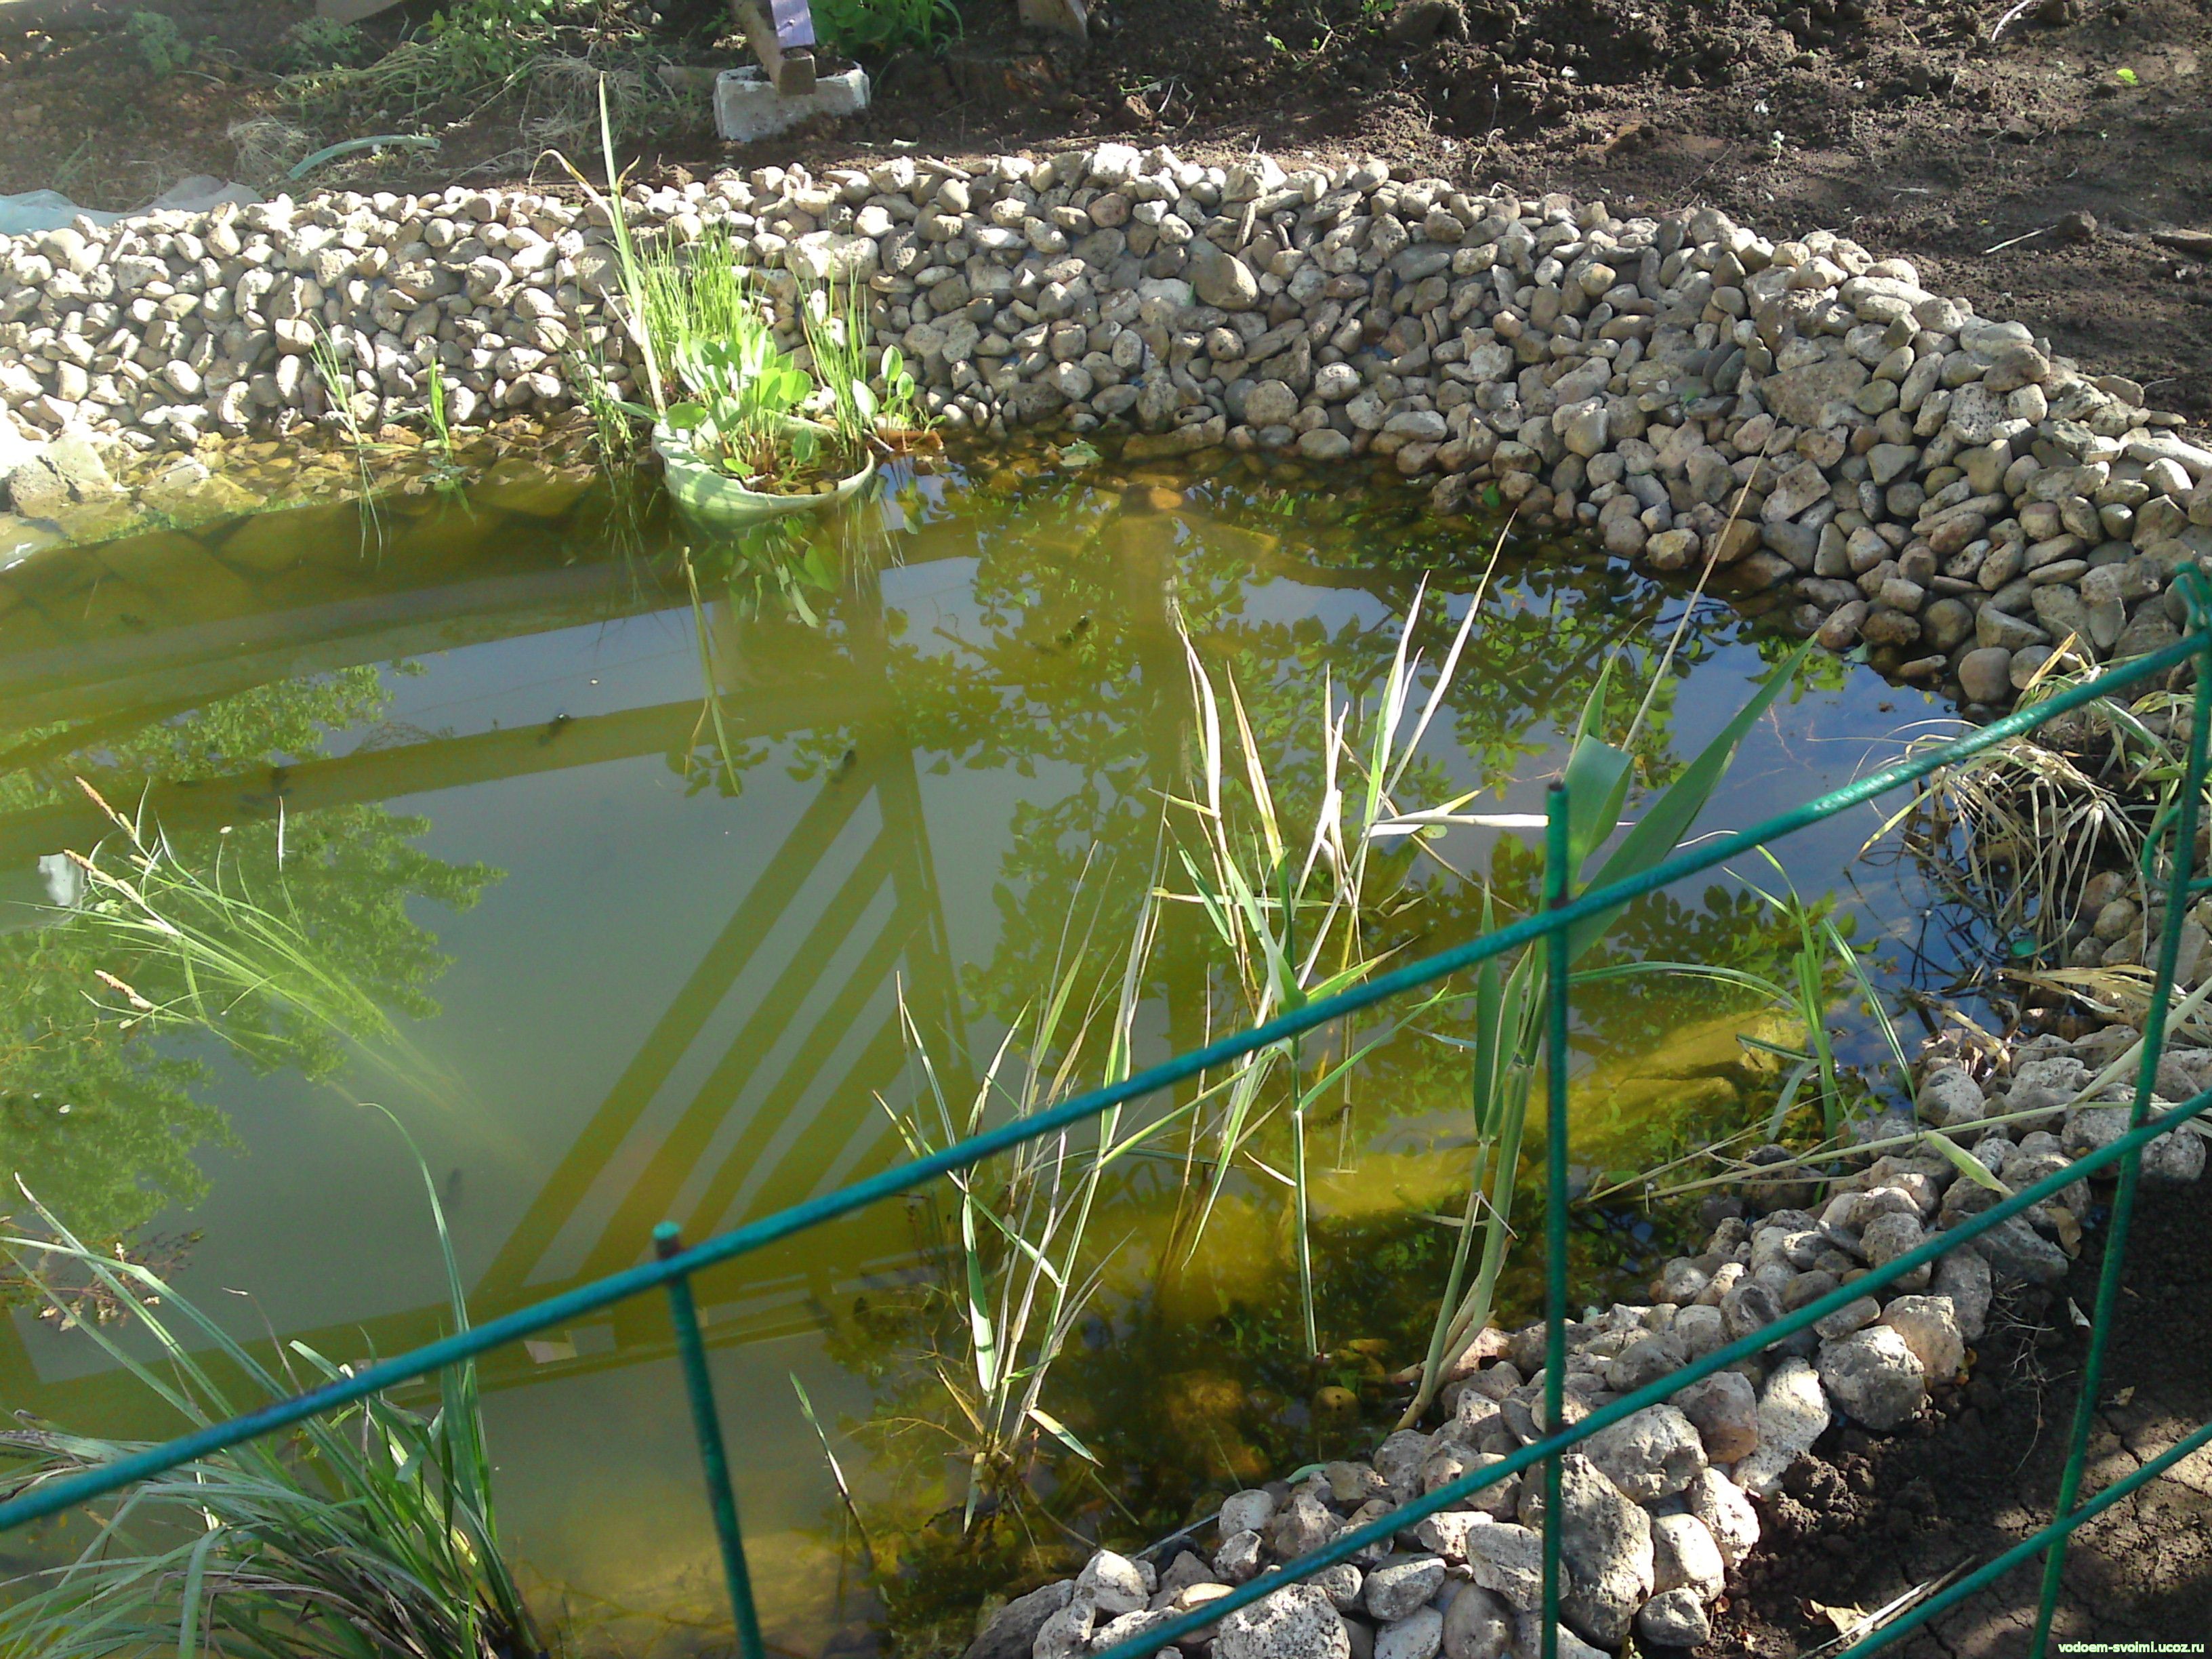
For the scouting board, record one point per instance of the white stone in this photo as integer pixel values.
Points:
(747, 105)
(1793, 1413)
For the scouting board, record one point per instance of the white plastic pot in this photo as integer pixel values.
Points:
(705, 490)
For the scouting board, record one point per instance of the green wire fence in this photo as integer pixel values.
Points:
(673, 1265)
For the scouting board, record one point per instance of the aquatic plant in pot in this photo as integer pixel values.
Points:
(748, 428)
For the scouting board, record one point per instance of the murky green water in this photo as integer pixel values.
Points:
(640, 886)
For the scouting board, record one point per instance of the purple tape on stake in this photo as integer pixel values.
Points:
(794, 23)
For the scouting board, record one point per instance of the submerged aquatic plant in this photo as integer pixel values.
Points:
(366, 1534)
(207, 950)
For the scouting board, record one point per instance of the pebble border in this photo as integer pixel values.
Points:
(1658, 1509)
(1892, 471)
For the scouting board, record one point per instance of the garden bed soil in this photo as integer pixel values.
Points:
(1866, 1519)
(2031, 177)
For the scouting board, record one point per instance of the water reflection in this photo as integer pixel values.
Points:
(889, 762)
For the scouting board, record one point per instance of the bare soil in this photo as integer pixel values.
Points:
(1868, 1519)
(1894, 121)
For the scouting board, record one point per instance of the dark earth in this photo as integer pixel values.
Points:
(1868, 1519)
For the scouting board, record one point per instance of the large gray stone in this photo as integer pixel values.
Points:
(1529, 1637)
(1402, 1584)
(1295, 1622)
(1478, 1624)
(1817, 394)
(1271, 402)
(1719, 1503)
(1418, 1635)
(36, 490)
(1684, 1551)
(1963, 1277)
(1114, 1583)
(1948, 1095)
(2018, 1254)
(1874, 1376)
(1675, 1619)
(1605, 1546)
(1929, 1326)
(1013, 1629)
(1654, 1453)
(1724, 1409)
(1247, 1511)
(1221, 278)
(1793, 1413)
(1066, 1633)
(1508, 1558)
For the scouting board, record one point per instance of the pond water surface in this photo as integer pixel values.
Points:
(639, 872)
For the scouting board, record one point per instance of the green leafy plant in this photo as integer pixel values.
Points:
(836, 323)
(367, 1532)
(441, 431)
(877, 28)
(161, 45)
(490, 38)
(716, 375)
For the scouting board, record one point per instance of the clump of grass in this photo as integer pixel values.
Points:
(614, 433)
(559, 93)
(441, 431)
(1017, 1264)
(547, 54)
(267, 148)
(834, 321)
(1507, 1046)
(366, 1534)
(235, 962)
(1296, 918)
(2016, 833)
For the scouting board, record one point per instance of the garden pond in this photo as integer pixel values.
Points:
(626, 848)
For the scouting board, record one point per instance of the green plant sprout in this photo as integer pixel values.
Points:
(161, 45)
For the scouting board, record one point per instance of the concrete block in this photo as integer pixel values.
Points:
(747, 107)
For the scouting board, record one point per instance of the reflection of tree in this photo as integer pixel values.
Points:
(94, 1117)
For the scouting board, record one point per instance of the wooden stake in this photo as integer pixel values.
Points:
(782, 37)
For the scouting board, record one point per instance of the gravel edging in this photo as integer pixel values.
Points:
(1802, 418)
(1661, 1507)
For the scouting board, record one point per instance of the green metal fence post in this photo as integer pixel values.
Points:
(2180, 868)
(1556, 856)
(714, 1459)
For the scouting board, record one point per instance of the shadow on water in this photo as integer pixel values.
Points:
(637, 841)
